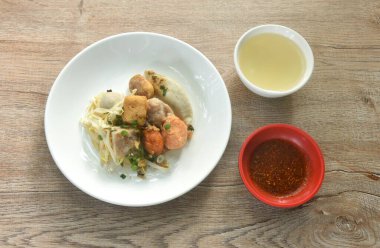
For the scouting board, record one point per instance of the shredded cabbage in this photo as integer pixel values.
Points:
(98, 123)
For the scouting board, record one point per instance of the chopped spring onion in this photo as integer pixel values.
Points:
(134, 167)
(160, 159)
(118, 120)
(167, 126)
(164, 90)
(134, 123)
(190, 128)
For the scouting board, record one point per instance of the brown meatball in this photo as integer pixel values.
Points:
(135, 109)
(174, 132)
(142, 86)
(153, 142)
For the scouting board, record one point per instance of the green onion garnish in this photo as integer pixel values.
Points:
(164, 90)
(118, 120)
(167, 126)
(134, 123)
(134, 167)
(190, 128)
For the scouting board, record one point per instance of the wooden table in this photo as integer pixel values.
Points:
(340, 108)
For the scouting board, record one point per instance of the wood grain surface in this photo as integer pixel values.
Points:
(340, 108)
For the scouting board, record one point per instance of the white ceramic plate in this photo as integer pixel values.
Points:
(109, 64)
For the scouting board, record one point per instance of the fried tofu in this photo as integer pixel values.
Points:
(135, 109)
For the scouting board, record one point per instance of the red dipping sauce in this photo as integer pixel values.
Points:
(279, 167)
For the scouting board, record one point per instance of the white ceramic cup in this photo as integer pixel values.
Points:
(288, 33)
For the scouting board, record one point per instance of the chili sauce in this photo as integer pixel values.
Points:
(278, 167)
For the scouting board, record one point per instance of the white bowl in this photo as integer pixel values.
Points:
(290, 34)
(109, 64)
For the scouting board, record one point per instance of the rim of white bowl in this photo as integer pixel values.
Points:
(96, 43)
(275, 28)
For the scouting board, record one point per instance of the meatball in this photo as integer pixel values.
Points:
(157, 111)
(142, 86)
(135, 109)
(153, 142)
(174, 132)
(109, 99)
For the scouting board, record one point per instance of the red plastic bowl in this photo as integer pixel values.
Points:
(316, 166)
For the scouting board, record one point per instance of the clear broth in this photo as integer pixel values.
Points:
(272, 62)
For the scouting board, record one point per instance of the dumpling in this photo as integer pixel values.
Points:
(172, 93)
(157, 111)
(123, 140)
